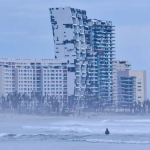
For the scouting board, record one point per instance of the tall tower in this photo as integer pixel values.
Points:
(101, 39)
(68, 26)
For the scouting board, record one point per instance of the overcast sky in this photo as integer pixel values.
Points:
(25, 29)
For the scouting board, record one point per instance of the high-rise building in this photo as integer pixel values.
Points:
(118, 65)
(69, 41)
(126, 89)
(101, 40)
(82, 42)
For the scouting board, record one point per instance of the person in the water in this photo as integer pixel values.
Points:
(107, 131)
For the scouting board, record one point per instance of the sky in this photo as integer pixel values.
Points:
(25, 29)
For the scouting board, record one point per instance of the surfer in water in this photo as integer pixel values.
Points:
(107, 131)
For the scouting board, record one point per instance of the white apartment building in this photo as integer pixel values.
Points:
(48, 76)
(126, 89)
(68, 26)
(141, 87)
(118, 65)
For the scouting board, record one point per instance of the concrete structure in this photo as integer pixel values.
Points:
(69, 41)
(140, 82)
(118, 65)
(100, 38)
(6, 82)
(82, 41)
(141, 87)
(39, 75)
(126, 89)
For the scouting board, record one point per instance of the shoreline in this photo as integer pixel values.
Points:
(101, 116)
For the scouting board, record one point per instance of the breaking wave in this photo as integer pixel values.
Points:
(74, 138)
(94, 129)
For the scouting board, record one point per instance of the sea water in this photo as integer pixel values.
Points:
(74, 133)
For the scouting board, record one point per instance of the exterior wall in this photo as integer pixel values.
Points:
(5, 80)
(118, 65)
(141, 89)
(92, 74)
(54, 81)
(24, 80)
(27, 75)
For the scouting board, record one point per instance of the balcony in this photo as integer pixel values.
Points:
(79, 16)
(73, 15)
(75, 23)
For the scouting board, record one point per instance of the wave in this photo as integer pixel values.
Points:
(38, 136)
(73, 138)
(115, 130)
(75, 129)
(9, 135)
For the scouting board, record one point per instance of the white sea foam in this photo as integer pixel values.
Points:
(116, 141)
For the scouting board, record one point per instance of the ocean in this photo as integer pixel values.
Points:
(68, 133)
